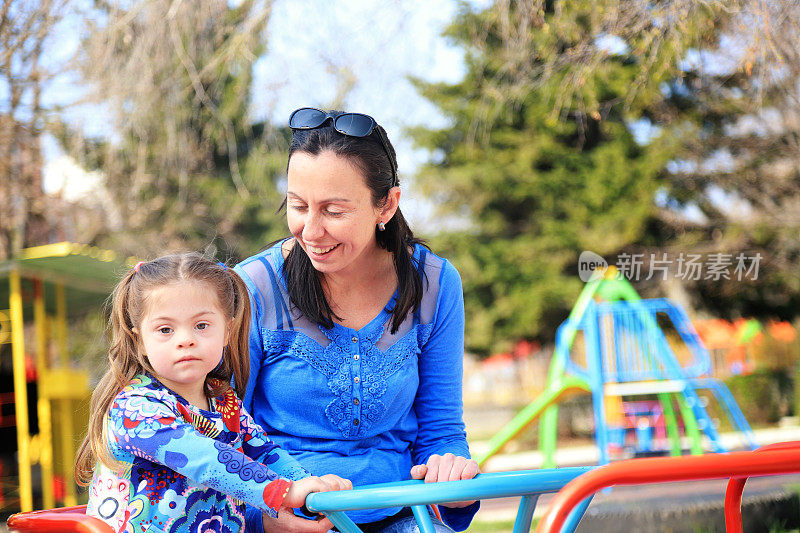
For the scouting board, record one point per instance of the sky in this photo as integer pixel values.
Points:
(380, 43)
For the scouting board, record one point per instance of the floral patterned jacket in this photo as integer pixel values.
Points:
(184, 469)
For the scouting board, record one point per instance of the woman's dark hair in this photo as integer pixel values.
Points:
(368, 155)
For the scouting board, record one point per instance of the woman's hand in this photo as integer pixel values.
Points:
(447, 467)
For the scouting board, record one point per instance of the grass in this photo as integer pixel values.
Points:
(501, 526)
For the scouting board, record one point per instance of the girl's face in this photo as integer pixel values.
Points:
(184, 332)
(330, 212)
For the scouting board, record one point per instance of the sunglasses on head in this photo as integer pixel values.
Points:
(350, 124)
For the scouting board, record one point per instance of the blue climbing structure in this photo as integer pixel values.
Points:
(620, 348)
(627, 354)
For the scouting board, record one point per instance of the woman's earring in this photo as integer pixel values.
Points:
(381, 226)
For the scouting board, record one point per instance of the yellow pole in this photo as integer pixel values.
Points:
(61, 324)
(67, 427)
(20, 391)
(43, 402)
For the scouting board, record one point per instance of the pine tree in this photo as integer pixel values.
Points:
(538, 162)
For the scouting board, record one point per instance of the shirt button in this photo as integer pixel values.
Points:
(355, 422)
(356, 401)
(356, 379)
(356, 357)
(355, 339)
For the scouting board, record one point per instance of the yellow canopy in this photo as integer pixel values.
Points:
(87, 273)
(57, 281)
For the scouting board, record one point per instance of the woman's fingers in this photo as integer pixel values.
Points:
(447, 467)
(471, 469)
(458, 468)
(433, 468)
(419, 471)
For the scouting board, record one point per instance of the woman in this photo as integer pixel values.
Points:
(357, 334)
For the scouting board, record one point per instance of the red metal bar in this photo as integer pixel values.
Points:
(733, 505)
(63, 519)
(733, 493)
(783, 460)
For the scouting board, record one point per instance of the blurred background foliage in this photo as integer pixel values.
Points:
(617, 127)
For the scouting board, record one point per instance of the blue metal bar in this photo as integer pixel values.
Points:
(594, 356)
(574, 518)
(525, 513)
(731, 408)
(417, 492)
(424, 522)
(634, 345)
(343, 522)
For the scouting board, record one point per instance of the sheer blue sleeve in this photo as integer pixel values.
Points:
(438, 404)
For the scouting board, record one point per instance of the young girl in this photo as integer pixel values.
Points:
(169, 447)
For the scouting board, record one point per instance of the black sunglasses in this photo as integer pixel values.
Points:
(351, 124)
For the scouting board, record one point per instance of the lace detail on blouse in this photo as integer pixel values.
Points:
(334, 362)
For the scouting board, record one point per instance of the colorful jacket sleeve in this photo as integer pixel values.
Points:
(149, 425)
(258, 446)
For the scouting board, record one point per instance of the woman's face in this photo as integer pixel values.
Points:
(330, 212)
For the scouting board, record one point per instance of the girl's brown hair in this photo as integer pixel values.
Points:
(126, 358)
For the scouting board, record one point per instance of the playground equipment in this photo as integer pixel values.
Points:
(414, 493)
(575, 486)
(65, 519)
(783, 458)
(627, 354)
(740, 346)
(50, 283)
(641, 428)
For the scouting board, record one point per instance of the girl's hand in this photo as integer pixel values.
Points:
(288, 522)
(447, 467)
(296, 497)
(337, 483)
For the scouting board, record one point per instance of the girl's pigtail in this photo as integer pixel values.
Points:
(239, 338)
(123, 365)
(235, 364)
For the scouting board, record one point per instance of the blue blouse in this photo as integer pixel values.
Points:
(364, 404)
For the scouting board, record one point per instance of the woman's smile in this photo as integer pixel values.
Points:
(321, 250)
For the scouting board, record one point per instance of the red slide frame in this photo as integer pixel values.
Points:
(780, 458)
